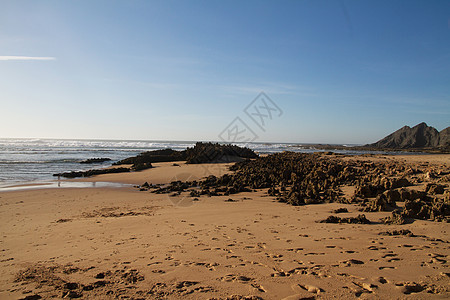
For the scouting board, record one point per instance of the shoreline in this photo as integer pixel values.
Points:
(122, 242)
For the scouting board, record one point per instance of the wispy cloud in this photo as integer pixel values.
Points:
(26, 58)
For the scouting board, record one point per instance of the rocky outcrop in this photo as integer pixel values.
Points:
(200, 153)
(419, 136)
(163, 155)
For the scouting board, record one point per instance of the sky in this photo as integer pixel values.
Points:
(339, 71)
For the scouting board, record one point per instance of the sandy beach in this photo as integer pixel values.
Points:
(118, 243)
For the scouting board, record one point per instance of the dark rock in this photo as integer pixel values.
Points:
(392, 196)
(92, 172)
(354, 262)
(141, 166)
(367, 190)
(405, 232)
(398, 183)
(100, 283)
(407, 194)
(95, 160)
(88, 287)
(380, 203)
(71, 285)
(230, 200)
(397, 218)
(340, 210)
(360, 219)
(434, 188)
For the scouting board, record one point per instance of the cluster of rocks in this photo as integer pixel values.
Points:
(300, 179)
(429, 209)
(209, 186)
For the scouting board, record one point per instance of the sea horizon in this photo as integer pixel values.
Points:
(179, 141)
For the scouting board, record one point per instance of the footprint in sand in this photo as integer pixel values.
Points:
(314, 253)
(437, 258)
(235, 278)
(410, 287)
(382, 280)
(262, 245)
(348, 263)
(296, 250)
(374, 248)
(382, 268)
(258, 287)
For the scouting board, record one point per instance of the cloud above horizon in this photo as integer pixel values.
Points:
(2, 57)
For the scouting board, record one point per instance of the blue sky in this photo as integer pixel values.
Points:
(341, 71)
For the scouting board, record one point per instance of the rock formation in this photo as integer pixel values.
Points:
(200, 153)
(303, 179)
(417, 137)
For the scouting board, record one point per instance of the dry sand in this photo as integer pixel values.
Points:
(116, 243)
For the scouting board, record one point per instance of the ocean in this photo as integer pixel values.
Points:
(25, 161)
